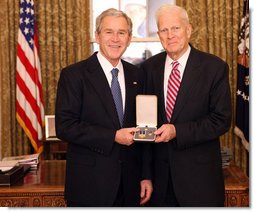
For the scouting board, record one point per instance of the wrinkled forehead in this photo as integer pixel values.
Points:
(114, 22)
(170, 20)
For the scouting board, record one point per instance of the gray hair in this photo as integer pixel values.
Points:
(113, 12)
(168, 8)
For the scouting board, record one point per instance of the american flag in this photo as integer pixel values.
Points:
(29, 99)
(243, 80)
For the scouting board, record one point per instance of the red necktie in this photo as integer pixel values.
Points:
(174, 81)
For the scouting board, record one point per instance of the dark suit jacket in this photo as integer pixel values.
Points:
(201, 114)
(87, 119)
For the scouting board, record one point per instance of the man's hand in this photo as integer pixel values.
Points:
(125, 136)
(146, 191)
(165, 133)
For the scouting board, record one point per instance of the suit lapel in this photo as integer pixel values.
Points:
(102, 89)
(131, 91)
(190, 78)
(159, 79)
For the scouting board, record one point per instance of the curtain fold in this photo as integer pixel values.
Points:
(64, 33)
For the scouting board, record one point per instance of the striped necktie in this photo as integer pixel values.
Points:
(117, 95)
(174, 81)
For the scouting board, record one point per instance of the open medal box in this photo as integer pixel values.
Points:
(146, 114)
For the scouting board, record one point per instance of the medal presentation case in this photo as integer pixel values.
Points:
(146, 114)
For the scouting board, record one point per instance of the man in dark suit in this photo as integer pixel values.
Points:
(104, 166)
(192, 116)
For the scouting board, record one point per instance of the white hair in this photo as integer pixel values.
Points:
(169, 8)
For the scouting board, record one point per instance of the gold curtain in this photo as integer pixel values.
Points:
(63, 29)
(215, 30)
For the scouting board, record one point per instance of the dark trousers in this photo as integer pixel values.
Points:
(119, 201)
(169, 200)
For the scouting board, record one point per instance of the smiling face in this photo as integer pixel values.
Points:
(113, 38)
(174, 33)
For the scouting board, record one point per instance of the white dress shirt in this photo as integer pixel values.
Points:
(168, 68)
(107, 68)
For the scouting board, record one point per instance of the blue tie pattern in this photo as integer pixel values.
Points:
(117, 95)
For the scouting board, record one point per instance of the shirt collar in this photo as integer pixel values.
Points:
(182, 60)
(106, 65)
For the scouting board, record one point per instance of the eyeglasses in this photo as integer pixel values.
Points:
(173, 29)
